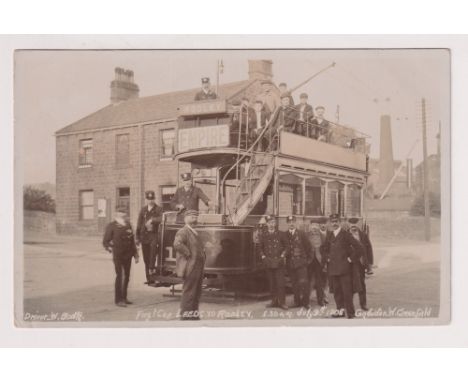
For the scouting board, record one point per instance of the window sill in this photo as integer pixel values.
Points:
(85, 166)
(166, 159)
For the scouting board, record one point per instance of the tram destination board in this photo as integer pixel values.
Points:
(202, 108)
(203, 137)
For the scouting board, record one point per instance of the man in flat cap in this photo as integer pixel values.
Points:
(147, 232)
(283, 88)
(119, 240)
(366, 259)
(320, 127)
(273, 247)
(299, 256)
(190, 262)
(340, 251)
(305, 114)
(205, 93)
(187, 197)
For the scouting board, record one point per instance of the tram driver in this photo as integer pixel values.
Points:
(205, 93)
(187, 197)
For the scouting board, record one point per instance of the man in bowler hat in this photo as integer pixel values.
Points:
(119, 240)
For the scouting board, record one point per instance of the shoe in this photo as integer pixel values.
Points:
(271, 305)
(351, 316)
(295, 306)
(128, 302)
(283, 306)
(146, 282)
(121, 304)
(337, 315)
(307, 306)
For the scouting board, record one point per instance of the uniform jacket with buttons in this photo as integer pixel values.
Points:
(273, 246)
(120, 239)
(202, 96)
(144, 235)
(189, 199)
(299, 250)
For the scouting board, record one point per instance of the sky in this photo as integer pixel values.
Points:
(56, 88)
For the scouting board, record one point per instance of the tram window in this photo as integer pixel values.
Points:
(335, 197)
(353, 200)
(313, 197)
(167, 192)
(290, 195)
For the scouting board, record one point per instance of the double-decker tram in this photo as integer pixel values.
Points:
(274, 171)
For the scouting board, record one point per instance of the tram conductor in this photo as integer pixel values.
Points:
(187, 197)
(272, 249)
(147, 232)
(205, 93)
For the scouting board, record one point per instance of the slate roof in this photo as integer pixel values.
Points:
(144, 109)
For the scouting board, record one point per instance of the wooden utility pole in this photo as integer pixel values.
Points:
(427, 212)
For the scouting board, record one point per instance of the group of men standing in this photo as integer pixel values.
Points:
(323, 256)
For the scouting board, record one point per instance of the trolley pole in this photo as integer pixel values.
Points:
(427, 213)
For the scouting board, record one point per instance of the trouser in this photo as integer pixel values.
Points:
(343, 292)
(300, 285)
(191, 292)
(122, 270)
(318, 281)
(149, 256)
(363, 292)
(276, 278)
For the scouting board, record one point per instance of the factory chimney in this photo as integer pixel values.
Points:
(123, 86)
(386, 165)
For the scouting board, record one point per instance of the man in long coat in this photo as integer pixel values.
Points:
(190, 262)
(272, 248)
(341, 252)
(119, 240)
(366, 260)
(147, 232)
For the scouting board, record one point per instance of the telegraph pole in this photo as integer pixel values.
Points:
(427, 213)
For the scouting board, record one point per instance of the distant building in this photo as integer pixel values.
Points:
(433, 178)
(112, 156)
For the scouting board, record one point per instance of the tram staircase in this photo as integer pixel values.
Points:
(256, 172)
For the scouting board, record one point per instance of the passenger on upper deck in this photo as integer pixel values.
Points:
(205, 93)
(287, 115)
(305, 115)
(270, 100)
(259, 121)
(283, 88)
(320, 128)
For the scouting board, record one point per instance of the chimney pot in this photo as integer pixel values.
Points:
(123, 88)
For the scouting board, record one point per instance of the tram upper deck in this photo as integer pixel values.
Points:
(248, 181)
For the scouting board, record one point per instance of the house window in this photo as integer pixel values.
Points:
(86, 205)
(122, 149)
(85, 158)
(167, 192)
(123, 198)
(167, 143)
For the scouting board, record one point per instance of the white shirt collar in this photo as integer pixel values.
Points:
(120, 221)
(337, 231)
(150, 207)
(292, 231)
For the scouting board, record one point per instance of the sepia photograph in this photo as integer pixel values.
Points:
(242, 187)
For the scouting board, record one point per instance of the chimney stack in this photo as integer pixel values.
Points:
(123, 86)
(386, 165)
(260, 70)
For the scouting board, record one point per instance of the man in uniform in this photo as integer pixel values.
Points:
(205, 93)
(340, 252)
(119, 240)
(190, 262)
(272, 248)
(187, 196)
(299, 257)
(259, 121)
(320, 127)
(147, 232)
(305, 113)
(366, 259)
